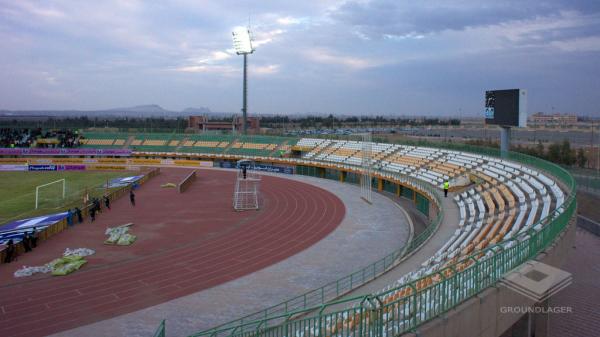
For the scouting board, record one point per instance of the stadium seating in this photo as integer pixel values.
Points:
(511, 199)
(156, 142)
(206, 143)
(102, 140)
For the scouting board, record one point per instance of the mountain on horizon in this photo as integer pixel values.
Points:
(147, 108)
(200, 110)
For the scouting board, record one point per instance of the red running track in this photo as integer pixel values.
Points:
(186, 243)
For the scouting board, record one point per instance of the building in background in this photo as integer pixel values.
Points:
(539, 118)
(202, 123)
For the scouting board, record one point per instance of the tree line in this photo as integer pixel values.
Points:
(559, 152)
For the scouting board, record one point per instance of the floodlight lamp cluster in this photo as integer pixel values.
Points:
(242, 43)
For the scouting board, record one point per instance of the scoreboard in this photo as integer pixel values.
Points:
(506, 107)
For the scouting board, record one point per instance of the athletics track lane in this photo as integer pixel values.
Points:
(186, 243)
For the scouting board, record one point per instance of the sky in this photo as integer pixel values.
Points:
(391, 57)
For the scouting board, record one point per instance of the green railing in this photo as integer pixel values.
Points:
(587, 181)
(421, 300)
(317, 297)
(160, 331)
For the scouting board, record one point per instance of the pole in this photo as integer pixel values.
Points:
(245, 98)
(504, 140)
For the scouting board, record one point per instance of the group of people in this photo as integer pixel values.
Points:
(17, 137)
(96, 206)
(30, 239)
(75, 212)
(10, 137)
(29, 242)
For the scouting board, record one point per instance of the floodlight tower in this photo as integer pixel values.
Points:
(242, 43)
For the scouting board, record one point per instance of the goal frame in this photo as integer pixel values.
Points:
(37, 190)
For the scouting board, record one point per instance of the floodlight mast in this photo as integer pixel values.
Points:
(242, 43)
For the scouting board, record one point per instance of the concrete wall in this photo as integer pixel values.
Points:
(481, 315)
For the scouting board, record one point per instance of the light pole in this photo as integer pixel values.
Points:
(242, 43)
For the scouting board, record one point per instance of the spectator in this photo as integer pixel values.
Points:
(10, 251)
(97, 206)
(107, 202)
(33, 238)
(26, 138)
(132, 197)
(69, 218)
(93, 213)
(26, 242)
(79, 216)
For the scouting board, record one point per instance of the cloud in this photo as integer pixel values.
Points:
(224, 70)
(582, 44)
(263, 38)
(384, 18)
(325, 56)
(288, 20)
(265, 70)
(39, 12)
(131, 51)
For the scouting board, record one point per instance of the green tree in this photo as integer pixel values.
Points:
(581, 158)
(554, 153)
(566, 154)
(540, 150)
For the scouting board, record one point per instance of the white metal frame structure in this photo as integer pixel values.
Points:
(37, 190)
(245, 196)
(367, 168)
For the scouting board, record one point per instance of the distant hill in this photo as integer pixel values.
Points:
(148, 110)
(196, 111)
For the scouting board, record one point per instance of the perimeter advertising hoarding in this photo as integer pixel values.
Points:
(258, 167)
(506, 107)
(9, 167)
(56, 167)
(63, 152)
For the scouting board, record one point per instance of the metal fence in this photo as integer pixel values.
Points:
(160, 330)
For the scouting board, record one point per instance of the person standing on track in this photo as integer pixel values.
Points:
(107, 202)
(79, 216)
(132, 197)
(26, 242)
(33, 237)
(9, 252)
(97, 205)
(446, 187)
(69, 218)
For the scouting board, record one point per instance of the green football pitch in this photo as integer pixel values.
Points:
(17, 191)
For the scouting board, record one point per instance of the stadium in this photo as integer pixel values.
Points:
(401, 169)
(347, 238)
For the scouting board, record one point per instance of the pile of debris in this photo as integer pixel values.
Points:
(71, 261)
(120, 235)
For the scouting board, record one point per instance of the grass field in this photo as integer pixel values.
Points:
(17, 196)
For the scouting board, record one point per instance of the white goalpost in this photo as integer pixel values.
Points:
(37, 190)
(247, 182)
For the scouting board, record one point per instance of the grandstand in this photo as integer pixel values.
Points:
(156, 142)
(513, 205)
(511, 209)
(101, 140)
(206, 143)
(259, 145)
